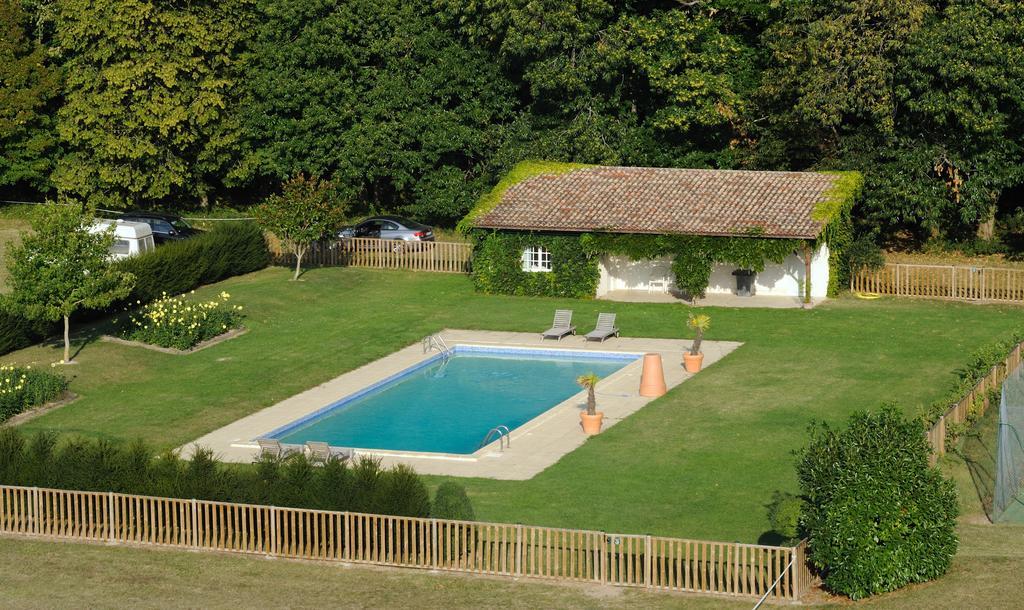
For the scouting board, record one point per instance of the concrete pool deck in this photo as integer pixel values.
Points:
(534, 446)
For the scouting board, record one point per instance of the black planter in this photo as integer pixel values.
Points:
(744, 282)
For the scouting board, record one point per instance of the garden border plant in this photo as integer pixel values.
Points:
(23, 388)
(180, 324)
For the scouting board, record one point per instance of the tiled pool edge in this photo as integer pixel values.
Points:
(537, 444)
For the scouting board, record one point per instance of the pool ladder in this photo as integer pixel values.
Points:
(502, 433)
(437, 342)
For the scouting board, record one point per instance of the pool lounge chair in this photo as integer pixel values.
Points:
(605, 328)
(561, 327)
(274, 448)
(320, 452)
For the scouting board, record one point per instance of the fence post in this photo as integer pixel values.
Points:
(110, 516)
(435, 556)
(37, 511)
(941, 441)
(346, 553)
(195, 523)
(648, 551)
(519, 550)
(273, 531)
(603, 576)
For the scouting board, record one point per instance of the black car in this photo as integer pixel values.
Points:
(166, 227)
(390, 227)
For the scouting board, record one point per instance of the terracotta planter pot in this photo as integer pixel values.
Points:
(693, 363)
(591, 423)
(652, 379)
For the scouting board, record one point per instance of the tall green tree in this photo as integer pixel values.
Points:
(377, 97)
(149, 84)
(29, 84)
(62, 265)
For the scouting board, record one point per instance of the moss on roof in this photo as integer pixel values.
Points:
(524, 170)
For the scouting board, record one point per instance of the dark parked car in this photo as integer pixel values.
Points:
(166, 227)
(390, 227)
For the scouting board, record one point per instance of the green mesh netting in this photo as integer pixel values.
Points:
(1008, 500)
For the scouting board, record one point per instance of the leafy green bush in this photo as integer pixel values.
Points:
(227, 250)
(103, 465)
(451, 502)
(863, 254)
(497, 266)
(17, 331)
(22, 388)
(182, 323)
(876, 515)
(784, 516)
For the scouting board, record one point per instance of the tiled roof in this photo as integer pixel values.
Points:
(664, 200)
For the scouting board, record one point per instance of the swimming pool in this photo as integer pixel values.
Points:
(448, 407)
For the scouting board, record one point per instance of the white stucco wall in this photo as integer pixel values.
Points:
(786, 279)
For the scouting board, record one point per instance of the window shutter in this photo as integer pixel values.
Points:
(527, 255)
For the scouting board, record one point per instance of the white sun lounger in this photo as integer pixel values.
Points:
(561, 327)
(274, 447)
(320, 452)
(605, 328)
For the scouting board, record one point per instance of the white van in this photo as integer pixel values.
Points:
(130, 238)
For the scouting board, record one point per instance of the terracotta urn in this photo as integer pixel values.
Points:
(591, 423)
(693, 362)
(652, 379)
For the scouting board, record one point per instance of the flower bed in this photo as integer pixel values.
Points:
(22, 387)
(181, 323)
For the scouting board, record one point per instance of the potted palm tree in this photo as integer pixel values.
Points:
(591, 418)
(694, 359)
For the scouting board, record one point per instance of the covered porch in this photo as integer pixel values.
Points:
(710, 300)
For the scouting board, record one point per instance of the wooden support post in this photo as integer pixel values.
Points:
(519, 551)
(807, 273)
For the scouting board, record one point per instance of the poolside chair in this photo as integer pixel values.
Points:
(274, 448)
(605, 328)
(320, 452)
(561, 327)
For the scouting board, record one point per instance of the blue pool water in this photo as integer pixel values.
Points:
(449, 408)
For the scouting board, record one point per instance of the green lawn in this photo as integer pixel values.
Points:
(700, 462)
(48, 574)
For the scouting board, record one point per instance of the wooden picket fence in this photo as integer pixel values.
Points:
(943, 282)
(668, 564)
(437, 256)
(975, 402)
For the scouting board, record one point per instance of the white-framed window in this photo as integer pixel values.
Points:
(536, 258)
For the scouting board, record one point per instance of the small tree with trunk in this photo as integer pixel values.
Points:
(698, 324)
(62, 266)
(307, 209)
(589, 382)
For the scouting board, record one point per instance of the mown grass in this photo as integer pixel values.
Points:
(48, 574)
(700, 462)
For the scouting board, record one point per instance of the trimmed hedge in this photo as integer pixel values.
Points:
(227, 250)
(17, 331)
(103, 465)
(451, 502)
(877, 516)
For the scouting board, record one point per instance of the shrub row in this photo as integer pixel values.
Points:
(22, 388)
(978, 366)
(227, 250)
(103, 465)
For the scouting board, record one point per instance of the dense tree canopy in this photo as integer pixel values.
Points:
(28, 84)
(148, 111)
(417, 107)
